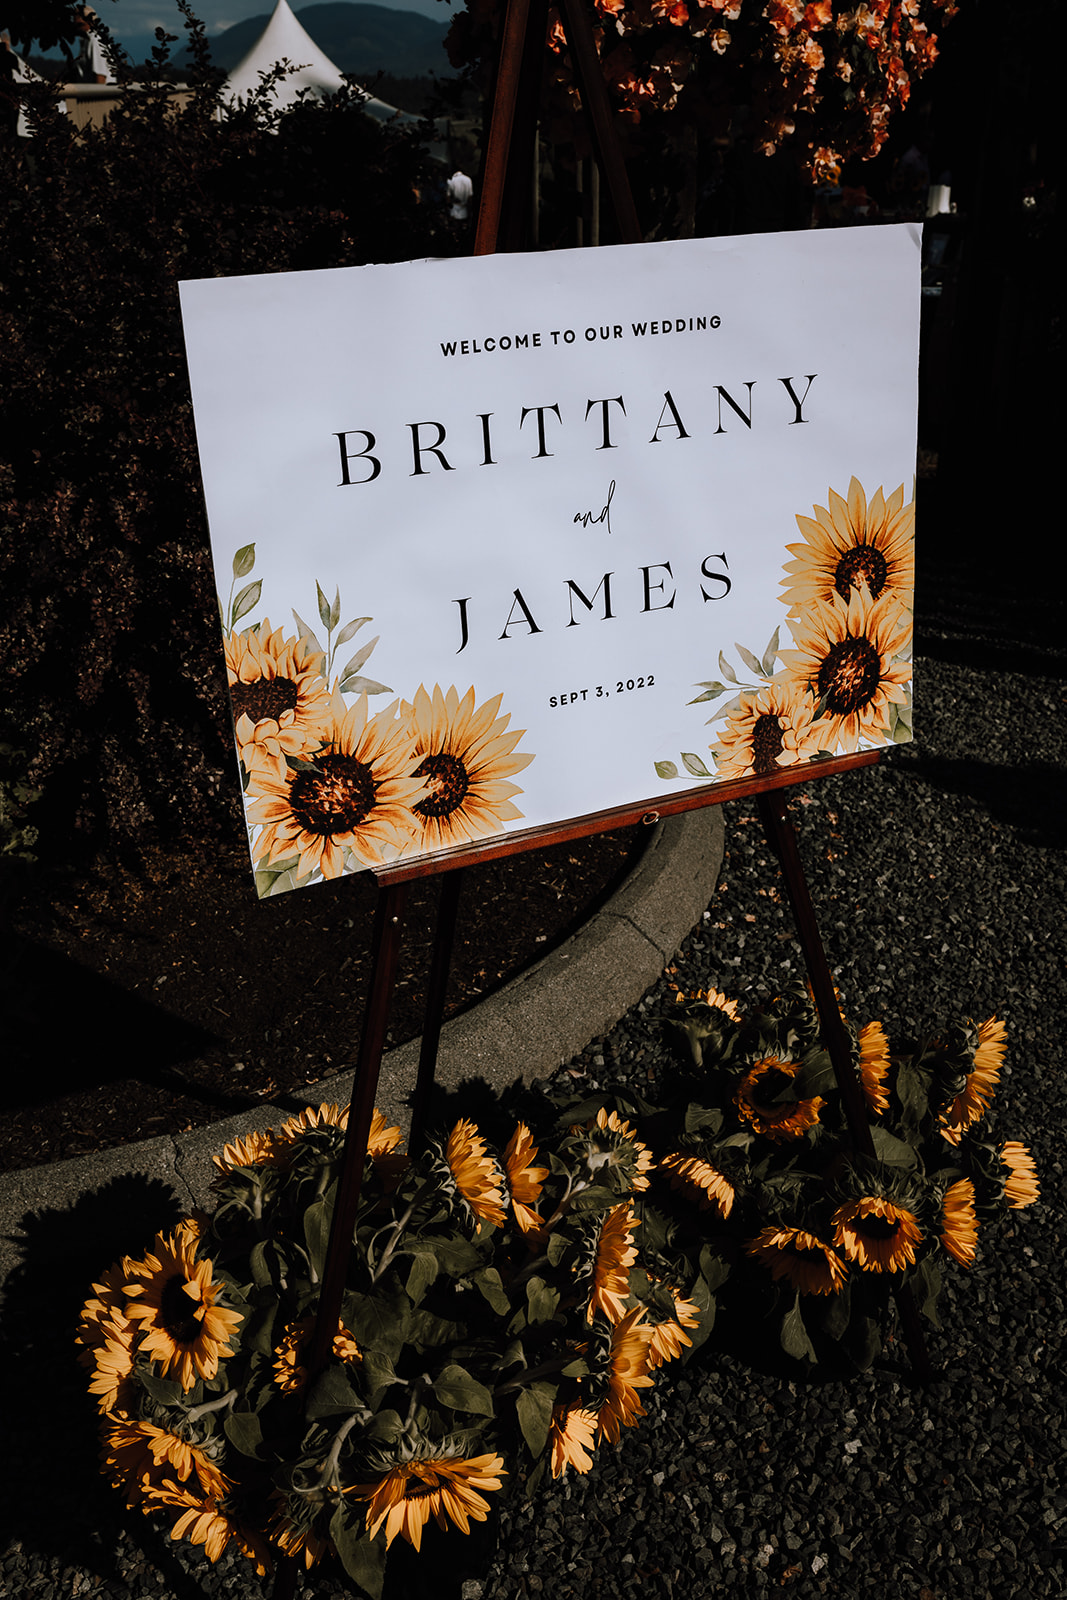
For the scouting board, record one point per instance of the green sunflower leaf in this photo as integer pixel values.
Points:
(665, 769)
(165, 1391)
(324, 607)
(534, 1410)
(244, 561)
(456, 1388)
(332, 1395)
(712, 691)
(317, 1219)
(770, 655)
(424, 1269)
(542, 1301)
(362, 1558)
(727, 671)
(693, 764)
(834, 1311)
(794, 1335)
(891, 1151)
(490, 1284)
(245, 1432)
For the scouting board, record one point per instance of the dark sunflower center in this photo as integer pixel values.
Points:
(862, 561)
(850, 675)
(177, 1313)
(266, 697)
(447, 780)
(770, 1085)
(336, 797)
(766, 744)
(879, 1228)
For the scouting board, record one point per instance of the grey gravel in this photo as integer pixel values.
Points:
(939, 878)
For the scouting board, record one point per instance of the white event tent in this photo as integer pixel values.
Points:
(285, 39)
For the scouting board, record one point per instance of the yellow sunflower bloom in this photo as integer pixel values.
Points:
(802, 1259)
(876, 1234)
(356, 796)
(697, 1177)
(849, 543)
(669, 1338)
(846, 656)
(143, 1458)
(971, 1103)
(959, 1222)
(873, 1066)
(1021, 1187)
(112, 1364)
(289, 1375)
(205, 1519)
(476, 1174)
(174, 1298)
(628, 1371)
(466, 758)
(251, 1150)
(615, 1143)
(770, 729)
(524, 1178)
(615, 1255)
(712, 998)
(107, 1301)
(302, 1544)
(757, 1101)
(278, 695)
(327, 1115)
(450, 1489)
(571, 1439)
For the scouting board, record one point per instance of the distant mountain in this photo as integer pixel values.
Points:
(361, 39)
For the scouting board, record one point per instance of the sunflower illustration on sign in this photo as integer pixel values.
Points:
(331, 787)
(846, 683)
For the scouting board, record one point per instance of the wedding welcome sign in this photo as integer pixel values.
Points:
(508, 541)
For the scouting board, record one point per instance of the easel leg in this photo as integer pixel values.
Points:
(448, 906)
(385, 949)
(782, 839)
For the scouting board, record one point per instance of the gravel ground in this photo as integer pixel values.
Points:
(939, 879)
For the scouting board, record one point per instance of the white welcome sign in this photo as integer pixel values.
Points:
(507, 541)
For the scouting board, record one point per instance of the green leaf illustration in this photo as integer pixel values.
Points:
(244, 561)
(350, 630)
(246, 599)
(693, 764)
(752, 662)
(307, 633)
(666, 769)
(359, 658)
(770, 655)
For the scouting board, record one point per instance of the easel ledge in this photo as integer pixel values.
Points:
(650, 811)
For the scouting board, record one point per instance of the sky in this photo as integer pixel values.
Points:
(129, 18)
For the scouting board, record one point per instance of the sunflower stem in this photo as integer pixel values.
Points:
(328, 1476)
(398, 1228)
(211, 1405)
(531, 1374)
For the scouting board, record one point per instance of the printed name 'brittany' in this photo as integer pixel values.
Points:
(541, 424)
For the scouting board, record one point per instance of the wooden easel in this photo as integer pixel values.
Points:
(500, 223)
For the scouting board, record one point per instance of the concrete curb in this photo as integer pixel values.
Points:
(537, 1022)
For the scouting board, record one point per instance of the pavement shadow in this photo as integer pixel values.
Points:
(53, 1498)
(1031, 800)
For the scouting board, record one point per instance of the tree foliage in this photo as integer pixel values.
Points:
(115, 705)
